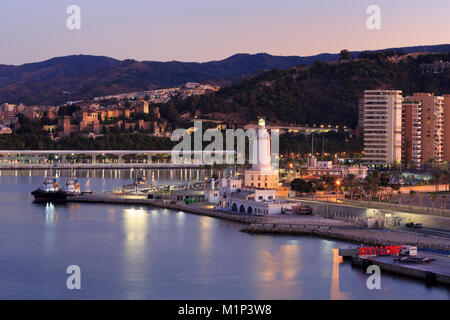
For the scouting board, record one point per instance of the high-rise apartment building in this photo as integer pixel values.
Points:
(446, 131)
(432, 126)
(438, 129)
(382, 127)
(359, 130)
(412, 133)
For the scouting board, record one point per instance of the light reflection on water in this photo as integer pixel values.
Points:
(134, 252)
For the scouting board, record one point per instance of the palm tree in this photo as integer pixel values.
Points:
(399, 197)
(446, 179)
(389, 197)
(437, 177)
(372, 184)
(421, 201)
(350, 184)
(433, 197)
(412, 194)
(444, 207)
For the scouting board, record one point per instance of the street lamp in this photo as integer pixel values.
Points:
(338, 184)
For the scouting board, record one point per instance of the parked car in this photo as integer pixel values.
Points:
(418, 226)
(301, 210)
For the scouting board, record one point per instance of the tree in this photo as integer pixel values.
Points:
(350, 184)
(433, 197)
(437, 176)
(372, 184)
(345, 54)
(446, 179)
(412, 194)
(389, 196)
(302, 186)
(328, 183)
(421, 201)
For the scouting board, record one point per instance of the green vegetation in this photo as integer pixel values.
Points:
(321, 94)
(332, 142)
(112, 141)
(31, 137)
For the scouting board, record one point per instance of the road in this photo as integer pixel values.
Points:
(428, 232)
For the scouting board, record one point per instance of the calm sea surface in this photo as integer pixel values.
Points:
(134, 252)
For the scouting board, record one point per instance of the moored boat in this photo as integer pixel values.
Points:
(72, 187)
(49, 191)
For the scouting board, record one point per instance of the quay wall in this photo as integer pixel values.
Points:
(434, 275)
(347, 212)
(142, 200)
(354, 235)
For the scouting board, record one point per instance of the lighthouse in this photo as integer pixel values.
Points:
(261, 148)
(259, 192)
(262, 175)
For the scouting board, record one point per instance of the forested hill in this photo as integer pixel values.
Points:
(75, 77)
(325, 93)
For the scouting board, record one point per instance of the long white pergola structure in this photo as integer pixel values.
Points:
(95, 153)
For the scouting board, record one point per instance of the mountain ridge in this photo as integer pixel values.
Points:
(74, 77)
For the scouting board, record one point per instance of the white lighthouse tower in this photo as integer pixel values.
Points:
(261, 148)
(262, 175)
(260, 190)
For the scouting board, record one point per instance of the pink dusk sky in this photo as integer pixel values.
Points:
(204, 30)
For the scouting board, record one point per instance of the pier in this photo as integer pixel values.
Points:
(437, 271)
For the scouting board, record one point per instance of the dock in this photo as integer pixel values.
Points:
(437, 271)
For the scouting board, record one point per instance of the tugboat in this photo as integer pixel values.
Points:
(72, 187)
(49, 191)
(140, 178)
(140, 182)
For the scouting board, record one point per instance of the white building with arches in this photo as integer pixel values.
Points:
(256, 193)
(249, 200)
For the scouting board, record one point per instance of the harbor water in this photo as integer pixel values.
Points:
(134, 252)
